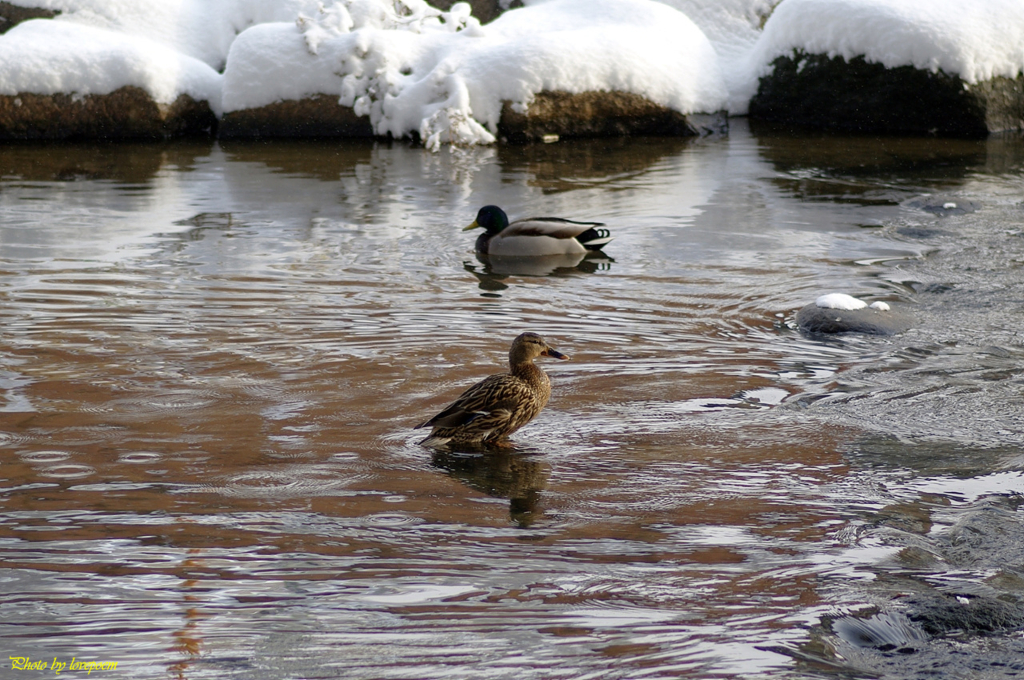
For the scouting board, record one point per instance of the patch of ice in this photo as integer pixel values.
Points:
(880, 306)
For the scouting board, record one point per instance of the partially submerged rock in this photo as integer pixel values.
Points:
(601, 114)
(818, 91)
(126, 113)
(944, 206)
(840, 313)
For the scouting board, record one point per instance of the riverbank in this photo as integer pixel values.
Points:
(81, 69)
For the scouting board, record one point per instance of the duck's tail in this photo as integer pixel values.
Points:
(435, 442)
(595, 238)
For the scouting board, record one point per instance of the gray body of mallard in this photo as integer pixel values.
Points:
(498, 405)
(535, 236)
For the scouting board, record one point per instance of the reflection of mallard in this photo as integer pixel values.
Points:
(498, 268)
(500, 404)
(535, 236)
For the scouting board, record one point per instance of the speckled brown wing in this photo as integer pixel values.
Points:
(489, 410)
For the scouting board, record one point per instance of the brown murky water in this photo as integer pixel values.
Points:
(211, 357)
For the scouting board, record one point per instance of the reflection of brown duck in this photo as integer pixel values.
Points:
(498, 405)
(535, 236)
(515, 474)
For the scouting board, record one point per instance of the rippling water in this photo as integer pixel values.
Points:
(211, 357)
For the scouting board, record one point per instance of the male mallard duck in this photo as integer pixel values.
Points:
(535, 236)
(500, 404)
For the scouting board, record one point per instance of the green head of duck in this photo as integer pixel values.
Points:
(491, 218)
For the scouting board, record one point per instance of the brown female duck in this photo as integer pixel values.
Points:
(498, 405)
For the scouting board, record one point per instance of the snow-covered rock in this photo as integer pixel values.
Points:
(445, 78)
(553, 67)
(202, 29)
(60, 79)
(947, 67)
(842, 313)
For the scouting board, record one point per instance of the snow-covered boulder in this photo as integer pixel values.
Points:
(61, 80)
(942, 67)
(563, 67)
(202, 29)
(842, 313)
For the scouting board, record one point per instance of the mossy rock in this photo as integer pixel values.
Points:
(817, 91)
(601, 114)
(317, 116)
(126, 113)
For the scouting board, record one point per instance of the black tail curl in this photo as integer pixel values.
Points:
(594, 238)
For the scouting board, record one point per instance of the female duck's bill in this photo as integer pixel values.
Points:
(535, 236)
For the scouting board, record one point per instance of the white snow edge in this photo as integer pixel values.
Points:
(847, 303)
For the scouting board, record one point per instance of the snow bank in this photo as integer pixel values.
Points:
(203, 29)
(583, 45)
(51, 57)
(975, 39)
